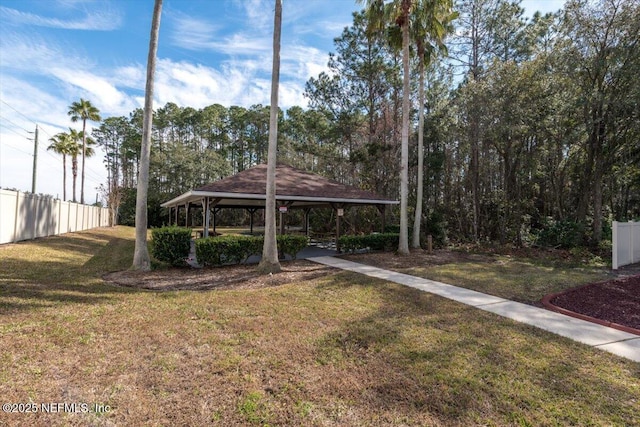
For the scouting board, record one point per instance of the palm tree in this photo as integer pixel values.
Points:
(380, 15)
(429, 25)
(83, 110)
(61, 144)
(425, 21)
(75, 149)
(141, 259)
(269, 262)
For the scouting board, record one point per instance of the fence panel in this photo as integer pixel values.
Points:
(26, 216)
(625, 243)
(8, 206)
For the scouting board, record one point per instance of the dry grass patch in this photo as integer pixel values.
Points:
(340, 349)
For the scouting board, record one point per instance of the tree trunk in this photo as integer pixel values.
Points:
(403, 245)
(141, 259)
(84, 153)
(597, 204)
(64, 177)
(74, 172)
(475, 125)
(598, 173)
(269, 262)
(418, 212)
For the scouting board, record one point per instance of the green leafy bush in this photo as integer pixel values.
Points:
(374, 242)
(226, 249)
(171, 244)
(561, 234)
(291, 244)
(216, 251)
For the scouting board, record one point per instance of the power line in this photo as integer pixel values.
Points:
(17, 149)
(8, 105)
(13, 130)
(15, 124)
(92, 175)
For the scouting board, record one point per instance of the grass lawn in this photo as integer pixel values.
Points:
(339, 350)
(522, 279)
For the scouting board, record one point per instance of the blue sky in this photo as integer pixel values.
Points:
(53, 52)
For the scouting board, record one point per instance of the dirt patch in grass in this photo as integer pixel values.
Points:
(230, 277)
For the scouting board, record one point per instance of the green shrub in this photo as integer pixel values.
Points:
(291, 244)
(226, 249)
(235, 249)
(171, 244)
(561, 234)
(350, 242)
(374, 242)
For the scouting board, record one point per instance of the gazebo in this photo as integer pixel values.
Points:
(295, 189)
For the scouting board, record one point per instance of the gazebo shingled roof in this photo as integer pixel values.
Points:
(293, 186)
(294, 189)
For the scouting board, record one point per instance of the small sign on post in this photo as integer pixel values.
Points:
(340, 212)
(283, 209)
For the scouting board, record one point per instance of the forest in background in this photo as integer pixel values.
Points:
(531, 132)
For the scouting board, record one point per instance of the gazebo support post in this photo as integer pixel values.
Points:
(336, 207)
(176, 217)
(281, 223)
(251, 212)
(282, 216)
(207, 217)
(215, 214)
(307, 211)
(383, 218)
(186, 214)
(207, 204)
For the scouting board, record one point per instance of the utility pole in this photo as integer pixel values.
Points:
(35, 161)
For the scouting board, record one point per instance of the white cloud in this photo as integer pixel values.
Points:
(291, 94)
(31, 53)
(78, 75)
(96, 20)
(130, 76)
(302, 62)
(197, 34)
(23, 105)
(196, 85)
(97, 88)
(259, 13)
(192, 33)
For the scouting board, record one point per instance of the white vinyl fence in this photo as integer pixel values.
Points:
(25, 216)
(625, 244)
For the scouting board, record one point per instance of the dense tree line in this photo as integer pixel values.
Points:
(531, 127)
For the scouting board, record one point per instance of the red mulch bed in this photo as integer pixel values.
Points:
(616, 301)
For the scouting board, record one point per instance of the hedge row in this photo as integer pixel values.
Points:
(374, 242)
(171, 245)
(236, 249)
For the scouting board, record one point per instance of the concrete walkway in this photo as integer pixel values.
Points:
(612, 340)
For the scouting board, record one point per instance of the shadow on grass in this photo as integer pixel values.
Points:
(429, 358)
(16, 297)
(62, 269)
